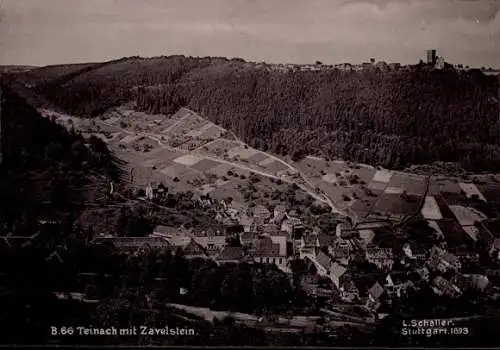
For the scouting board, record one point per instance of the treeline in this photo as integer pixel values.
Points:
(390, 118)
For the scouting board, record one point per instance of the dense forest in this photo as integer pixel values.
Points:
(46, 172)
(392, 118)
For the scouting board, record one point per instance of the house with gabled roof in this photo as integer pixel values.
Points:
(326, 240)
(230, 255)
(194, 250)
(309, 244)
(341, 249)
(294, 227)
(248, 239)
(397, 283)
(261, 212)
(316, 286)
(280, 238)
(268, 252)
(280, 209)
(155, 189)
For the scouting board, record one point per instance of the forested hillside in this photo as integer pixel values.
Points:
(390, 118)
(46, 172)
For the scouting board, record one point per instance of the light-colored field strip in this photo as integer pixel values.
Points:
(472, 231)
(393, 190)
(111, 120)
(188, 159)
(466, 216)
(242, 152)
(330, 178)
(375, 185)
(266, 161)
(430, 210)
(470, 190)
(129, 139)
(382, 176)
(315, 158)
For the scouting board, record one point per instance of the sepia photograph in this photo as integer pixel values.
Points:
(250, 173)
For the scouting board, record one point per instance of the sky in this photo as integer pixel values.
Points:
(42, 32)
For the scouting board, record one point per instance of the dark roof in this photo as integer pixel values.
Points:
(376, 290)
(231, 253)
(248, 236)
(194, 248)
(266, 247)
(261, 211)
(324, 260)
(338, 270)
(168, 230)
(326, 240)
(271, 229)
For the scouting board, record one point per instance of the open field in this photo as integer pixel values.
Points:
(412, 184)
(471, 190)
(395, 204)
(443, 185)
(430, 209)
(241, 152)
(205, 165)
(219, 147)
(467, 216)
(276, 166)
(257, 158)
(376, 185)
(382, 176)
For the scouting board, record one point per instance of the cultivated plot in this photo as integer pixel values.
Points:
(276, 166)
(467, 216)
(257, 158)
(205, 165)
(412, 184)
(430, 209)
(382, 176)
(396, 204)
(471, 190)
(188, 159)
(241, 152)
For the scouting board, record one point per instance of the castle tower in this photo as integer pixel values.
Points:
(431, 57)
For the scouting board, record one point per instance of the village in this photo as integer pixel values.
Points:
(394, 232)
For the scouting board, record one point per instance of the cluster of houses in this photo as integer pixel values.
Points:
(258, 234)
(340, 66)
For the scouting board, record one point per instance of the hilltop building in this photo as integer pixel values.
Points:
(431, 57)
